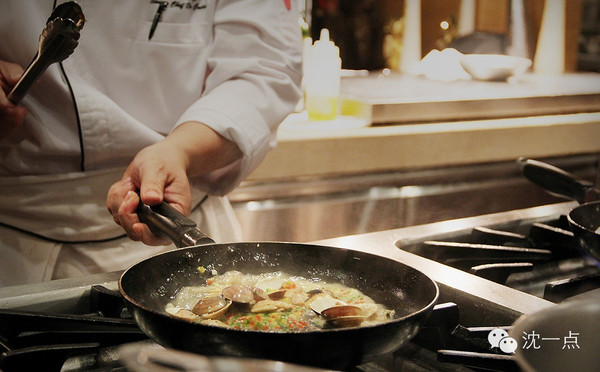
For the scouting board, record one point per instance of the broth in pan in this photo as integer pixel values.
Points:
(276, 302)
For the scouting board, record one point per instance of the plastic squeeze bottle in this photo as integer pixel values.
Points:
(322, 79)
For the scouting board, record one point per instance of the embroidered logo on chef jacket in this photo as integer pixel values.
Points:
(188, 5)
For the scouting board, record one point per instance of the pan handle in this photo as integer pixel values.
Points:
(167, 222)
(556, 181)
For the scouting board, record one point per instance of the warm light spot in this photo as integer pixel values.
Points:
(444, 25)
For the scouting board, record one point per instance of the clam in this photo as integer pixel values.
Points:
(270, 285)
(322, 301)
(272, 288)
(347, 321)
(344, 316)
(277, 295)
(211, 307)
(239, 293)
(341, 311)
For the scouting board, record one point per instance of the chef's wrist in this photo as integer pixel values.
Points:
(204, 149)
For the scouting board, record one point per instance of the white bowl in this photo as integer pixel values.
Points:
(493, 66)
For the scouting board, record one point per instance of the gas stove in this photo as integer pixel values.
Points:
(482, 301)
(477, 294)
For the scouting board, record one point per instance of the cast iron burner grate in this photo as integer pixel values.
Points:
(42, 341)
(542, 258)
(452, 346)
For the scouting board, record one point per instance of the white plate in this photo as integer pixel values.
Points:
(493, 66)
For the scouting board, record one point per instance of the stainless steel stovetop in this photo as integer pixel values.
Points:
(482, 302)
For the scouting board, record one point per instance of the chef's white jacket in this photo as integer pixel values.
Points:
(234, 65)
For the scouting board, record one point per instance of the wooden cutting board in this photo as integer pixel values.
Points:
(404, 99)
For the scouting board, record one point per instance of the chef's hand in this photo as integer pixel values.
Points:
(11, 116)
(160, 172)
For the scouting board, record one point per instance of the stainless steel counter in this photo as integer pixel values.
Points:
(482, 302)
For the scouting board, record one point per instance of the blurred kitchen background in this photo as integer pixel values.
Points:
(406, 149)
(362, 29)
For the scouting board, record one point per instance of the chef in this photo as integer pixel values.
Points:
(178, 100)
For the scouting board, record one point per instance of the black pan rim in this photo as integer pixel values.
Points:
(573, 220)
(164, 315)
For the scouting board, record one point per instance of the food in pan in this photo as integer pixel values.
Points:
(276, 302)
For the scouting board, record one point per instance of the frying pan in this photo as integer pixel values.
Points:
(150, 284)
(584, 220)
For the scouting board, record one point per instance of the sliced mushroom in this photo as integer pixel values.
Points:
(260, 295)
(186, 314)
(270, 305)
(214, 322)
(171, 309)
(181, 313)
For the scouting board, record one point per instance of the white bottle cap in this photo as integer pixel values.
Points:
(325, 48)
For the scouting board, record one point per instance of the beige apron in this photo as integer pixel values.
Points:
(56, 226)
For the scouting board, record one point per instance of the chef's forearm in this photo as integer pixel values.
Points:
(204, 149)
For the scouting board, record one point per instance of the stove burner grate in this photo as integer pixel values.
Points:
(543, 258)
(32, 341)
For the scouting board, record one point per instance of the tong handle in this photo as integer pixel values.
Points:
(167, 222)
(29, 77)
(56, 43)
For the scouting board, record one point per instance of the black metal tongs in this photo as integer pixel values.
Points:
(57, 41)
